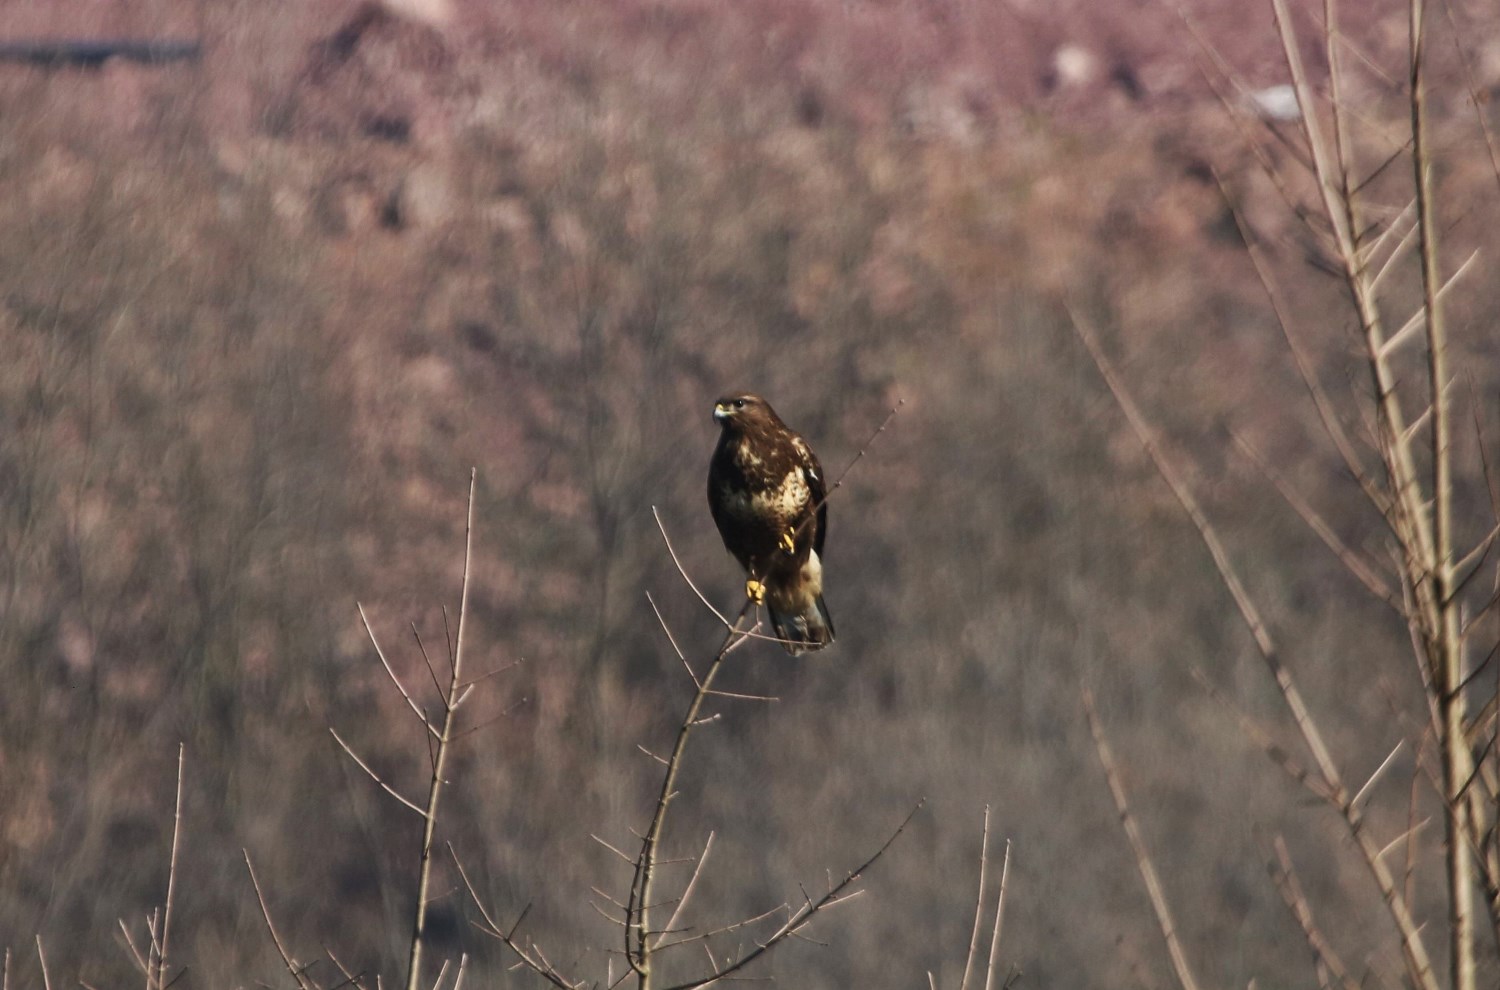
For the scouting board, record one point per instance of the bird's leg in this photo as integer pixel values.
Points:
(755, 588)
(789, 541)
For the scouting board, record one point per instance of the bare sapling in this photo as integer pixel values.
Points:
(440, 733)
(1407, 472)
(646, 939)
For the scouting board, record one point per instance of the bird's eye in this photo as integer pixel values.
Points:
(739, 403)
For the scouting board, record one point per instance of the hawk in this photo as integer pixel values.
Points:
(766, 492)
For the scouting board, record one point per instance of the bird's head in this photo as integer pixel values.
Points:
(739, 409)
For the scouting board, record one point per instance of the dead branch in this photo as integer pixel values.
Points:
(1143, 862)
(298, 973)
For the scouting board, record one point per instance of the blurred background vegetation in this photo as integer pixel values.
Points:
(261, 313)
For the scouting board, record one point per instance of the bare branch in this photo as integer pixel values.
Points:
(687, 892)
(493, 673)
(1353, 562)
(390, 672)
(659, 759)
(350, 978)
(1154, 890)
(839, 481)
(1326, 413)
(664, 628)
(166, 922)
(1399, 253)
(984, 847)
(656, 514)
(536, 963)
(298, 973)
(140, 960)
(1465, 569)
(1285, 879)
(1406, 836)
(1418, 962)
(373, 775)
(42, 959)
(1358, 799)
(637, 932)
(989, 972)
(1412, 329)
(1251, 615)
(804, 915)
(416, 636)
(451, 702)
(1446, 653)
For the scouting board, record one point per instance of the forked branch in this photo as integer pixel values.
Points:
(453, 691)
(803, 916)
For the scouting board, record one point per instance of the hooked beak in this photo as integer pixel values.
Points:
(721, 412)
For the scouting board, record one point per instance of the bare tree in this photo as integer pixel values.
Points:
(1412, 442)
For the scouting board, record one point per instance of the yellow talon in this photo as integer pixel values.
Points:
(789, 541)
(755, 591)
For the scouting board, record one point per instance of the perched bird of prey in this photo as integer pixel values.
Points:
(766, 491)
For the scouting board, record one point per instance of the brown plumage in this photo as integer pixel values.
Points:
(766, 491)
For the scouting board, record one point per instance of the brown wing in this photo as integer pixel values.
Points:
(721, 477)
(812, 472)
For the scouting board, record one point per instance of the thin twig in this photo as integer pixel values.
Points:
(152, 923)
(451, 702)
(140, 960)
(166, 921)
(1358, 798)
(1412, 329)
(375, 642)
(656, 514)
(42, 959)
(416, 635)
(1285, 878)
(638, 948)
(1248, 612)
(664, 628)
(375, 776)
(687, 891)
(350, 978)
(503, 668)
(1326, 413)
(839, 481)
(1353, 562)
(733, 926)
(1262, 738)
(1407, 835)
(984, 847)
(1143, 862)
(989, 972)
(804, 915)
(1399, 253)
(1413, 949)
(297, 972)
(535, 962)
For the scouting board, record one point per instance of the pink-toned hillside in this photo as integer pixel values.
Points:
(260, 314)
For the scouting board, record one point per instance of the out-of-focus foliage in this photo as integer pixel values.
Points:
(261, 314)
